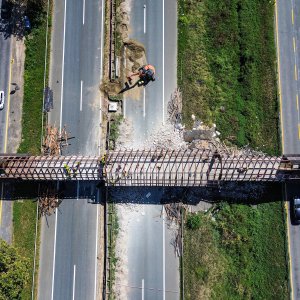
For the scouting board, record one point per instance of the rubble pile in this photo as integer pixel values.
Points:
(48, 201)
(54, 140)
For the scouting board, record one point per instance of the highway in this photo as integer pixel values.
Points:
(152, 264)
(5, 74)
(69, 248)
(288, 53)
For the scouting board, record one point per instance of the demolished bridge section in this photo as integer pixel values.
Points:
(196, 167)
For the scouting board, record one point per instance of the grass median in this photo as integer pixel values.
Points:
(24, 213)
(227, 74)
(226, 69)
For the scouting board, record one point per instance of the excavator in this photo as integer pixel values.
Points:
(146, 74)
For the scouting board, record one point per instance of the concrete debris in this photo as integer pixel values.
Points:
(54, 140)
(175, 107)
(48, 201)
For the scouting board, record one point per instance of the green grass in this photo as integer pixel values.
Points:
(24, 219)
(237, 252)
(24, 213)
(33, 89)
(227, 74)
(113, 230)
(226, 69)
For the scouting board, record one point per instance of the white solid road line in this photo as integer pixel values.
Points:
(163, 64)
(63, 68)
(74, 278)
(83, 13)
(163, 115)
(54, 252)
(144, 103)
(81, 84)
(60, 127)
(164, 255)
(144, 18)
(143, 289)
(101, 62)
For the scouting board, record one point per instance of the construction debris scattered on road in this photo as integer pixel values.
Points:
(54, 140)
(175, 212)
(48, 201)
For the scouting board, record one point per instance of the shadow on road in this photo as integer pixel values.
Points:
(244, 193)
(129, 87)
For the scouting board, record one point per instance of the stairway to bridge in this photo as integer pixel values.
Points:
(197, 167)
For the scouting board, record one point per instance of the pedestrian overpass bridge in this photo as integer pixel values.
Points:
(197, 167)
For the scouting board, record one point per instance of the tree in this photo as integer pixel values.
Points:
(29, 2)
(13, 272)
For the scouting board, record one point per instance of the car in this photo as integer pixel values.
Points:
(27, 24)
(2, 100)
(295, 210)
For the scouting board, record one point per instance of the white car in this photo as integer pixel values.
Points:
(1, 99)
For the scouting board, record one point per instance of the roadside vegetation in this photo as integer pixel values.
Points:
(13, 273)
(114, 132)
(112, 233)
(227, 75)
(24, 213)
(226, 69)
(236, 252)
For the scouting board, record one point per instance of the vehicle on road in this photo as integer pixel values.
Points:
(295, 210)
(2, 100)
(27, 24)
(146, 74)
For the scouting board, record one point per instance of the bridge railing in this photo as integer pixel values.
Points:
(198, 167)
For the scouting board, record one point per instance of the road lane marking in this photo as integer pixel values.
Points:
(54, 252)
(292, 16)
(164, 255)
(163, 64)
(144, 18)
(83, 13)
(8, 106)
(144, 103)
(6, 127)
(63, 68)
(299, 131)
(143, 289)
(96, 252)
(279, 80)
(81, 83)
(101, 70)
(297, 101)
(74, 278)
(296, 77)
(294, 44)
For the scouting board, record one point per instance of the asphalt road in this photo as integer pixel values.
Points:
(5, 57)
(68, 260)
(152, 264)
(288, 48)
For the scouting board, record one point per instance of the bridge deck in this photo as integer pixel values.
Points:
(198, 167)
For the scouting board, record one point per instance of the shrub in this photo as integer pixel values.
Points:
(193, 222)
